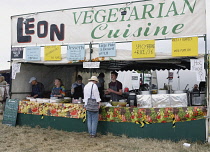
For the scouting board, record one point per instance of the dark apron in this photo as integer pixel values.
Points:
(78, 92)
(115, 97)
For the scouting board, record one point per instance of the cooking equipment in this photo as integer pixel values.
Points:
(132, 98)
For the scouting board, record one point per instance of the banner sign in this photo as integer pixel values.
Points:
(107, 49)
(142, 20)
(197, 65)
(143, 49)
(76, 52)
(33, 53)
(187, 46)
(17, 53)
(91, 64)
(52, 53)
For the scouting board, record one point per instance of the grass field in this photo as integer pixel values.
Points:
(26, 139)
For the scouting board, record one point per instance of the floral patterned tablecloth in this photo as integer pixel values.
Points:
(68, 110)
(116, 114)
(152, 115)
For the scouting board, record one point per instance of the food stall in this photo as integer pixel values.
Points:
(161, 116)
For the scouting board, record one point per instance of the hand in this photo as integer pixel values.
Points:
(35, 96)
(110, 90)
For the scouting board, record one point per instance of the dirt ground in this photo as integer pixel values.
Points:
(27, 139)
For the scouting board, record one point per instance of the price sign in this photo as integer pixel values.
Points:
(33, 53)
(187, 46)
(52, 53)
(107, 49)
(143, 49)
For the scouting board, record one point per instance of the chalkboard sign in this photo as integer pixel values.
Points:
(17, 53)
(10, 112)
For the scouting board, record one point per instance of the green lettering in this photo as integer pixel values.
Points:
(135, 14)
(86, 17)
(115, 35)
(158, 29)
(112, 15)
(126, 33)
(146, 32)
(100, 27)
(76, 20)
(177, 27)
(147, 12)
(160, 10)
(103, 16)
(172, 9)
(189, 6)
(139, 32)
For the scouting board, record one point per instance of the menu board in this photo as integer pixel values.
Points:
(75, 52)
(52, 53)
(10, 112)
(186, 46)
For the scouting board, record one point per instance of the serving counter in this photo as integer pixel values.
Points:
(173, 123)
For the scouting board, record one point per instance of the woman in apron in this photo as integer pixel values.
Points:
(77, 88)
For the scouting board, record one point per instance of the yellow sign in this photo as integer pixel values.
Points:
(187, 46)
(52, 53)
(143, 49)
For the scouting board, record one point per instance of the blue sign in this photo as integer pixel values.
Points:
(107, 49)
(76, 52)
(33, 53)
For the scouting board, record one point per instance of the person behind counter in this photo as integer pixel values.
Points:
(59, 89)
(115, 87)
(77, 88)
(37, 88)
(100, 85)
(92, 116)
(195, 88)
(2, 81)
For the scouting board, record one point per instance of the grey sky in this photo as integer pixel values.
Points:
(9, 8)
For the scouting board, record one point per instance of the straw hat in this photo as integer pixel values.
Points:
(93, 78)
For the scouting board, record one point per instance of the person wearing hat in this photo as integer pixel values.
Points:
(115, 87)
(37, 88)
(92, 116)
(77, 88)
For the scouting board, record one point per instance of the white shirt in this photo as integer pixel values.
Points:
(87, 92)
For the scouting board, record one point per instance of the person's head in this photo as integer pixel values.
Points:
(94, 79)
(114, 75)
(195, 86)
(79, 79)
(33, 80)
(58, 82)
(101, 75)
(2, 78)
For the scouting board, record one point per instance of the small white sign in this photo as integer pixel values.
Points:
(91, 64)
(197, 65)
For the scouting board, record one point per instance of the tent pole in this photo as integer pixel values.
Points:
(91, 51)
(206, 65)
